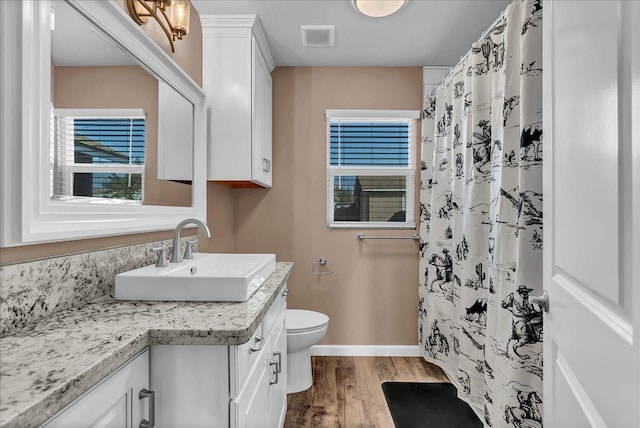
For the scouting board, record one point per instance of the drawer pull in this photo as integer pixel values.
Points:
(151, 395)
(259, 341)
(276, 370)
(279, 363)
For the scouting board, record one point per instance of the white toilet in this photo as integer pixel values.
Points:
(304, 329)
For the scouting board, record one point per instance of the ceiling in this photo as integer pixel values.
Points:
(75, 42)
(424, 32)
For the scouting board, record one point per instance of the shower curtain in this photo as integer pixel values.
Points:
(481, 221)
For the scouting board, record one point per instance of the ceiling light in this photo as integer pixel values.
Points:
(378, 8)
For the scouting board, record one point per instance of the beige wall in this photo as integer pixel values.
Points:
(122, 88)
(372, 296)
(189, 56)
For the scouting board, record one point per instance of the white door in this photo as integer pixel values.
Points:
(592, 213)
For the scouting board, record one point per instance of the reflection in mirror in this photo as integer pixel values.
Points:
(105, 122)
(98, 154)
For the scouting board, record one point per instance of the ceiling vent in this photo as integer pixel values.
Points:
(317, 35)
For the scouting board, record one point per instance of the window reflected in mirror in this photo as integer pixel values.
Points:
(99, 154)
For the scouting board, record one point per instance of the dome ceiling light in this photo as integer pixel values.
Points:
(378, 8)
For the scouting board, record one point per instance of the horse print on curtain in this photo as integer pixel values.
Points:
(481, 221)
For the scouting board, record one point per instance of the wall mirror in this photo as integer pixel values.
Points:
(112, 129)
(106, 134)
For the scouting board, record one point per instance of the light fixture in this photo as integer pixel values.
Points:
(171, 15)
(378, 8)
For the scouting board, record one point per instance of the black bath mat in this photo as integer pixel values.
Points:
(428, 405)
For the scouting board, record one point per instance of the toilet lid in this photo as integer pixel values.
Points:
(299, 321)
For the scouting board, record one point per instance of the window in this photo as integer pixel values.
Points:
(371, 168)
(99, 154)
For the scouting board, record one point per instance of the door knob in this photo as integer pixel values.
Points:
(542, 301)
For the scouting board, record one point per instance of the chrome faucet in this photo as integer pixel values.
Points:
(176, 257)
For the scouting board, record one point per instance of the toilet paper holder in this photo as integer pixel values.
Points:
(321, 262)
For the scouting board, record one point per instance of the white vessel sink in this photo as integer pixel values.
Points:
(206, 277)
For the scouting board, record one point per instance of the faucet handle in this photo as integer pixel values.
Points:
(162, 258)
(188, 250)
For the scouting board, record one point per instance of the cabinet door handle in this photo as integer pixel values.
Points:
(279, 363)
(151, 395)
(268, 165)
(285, 292)
(275, 372)
(259, 341)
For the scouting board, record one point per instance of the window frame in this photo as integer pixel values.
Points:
(71, 167)
(408, 172)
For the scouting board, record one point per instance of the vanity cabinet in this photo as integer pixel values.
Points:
(259, 397)
(114, 402)
(224, 386)
(236, 77)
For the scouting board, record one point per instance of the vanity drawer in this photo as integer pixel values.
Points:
(242, 358)
(275, 310)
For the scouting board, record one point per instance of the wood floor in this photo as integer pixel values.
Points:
(347, 391)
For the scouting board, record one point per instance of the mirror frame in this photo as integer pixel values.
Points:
(28, 214)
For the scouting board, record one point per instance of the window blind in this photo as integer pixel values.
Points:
(100, 140)
(370, 143)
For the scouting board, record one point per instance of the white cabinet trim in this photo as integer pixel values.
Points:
(211, 22)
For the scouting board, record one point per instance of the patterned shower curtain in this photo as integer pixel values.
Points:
(481, 221)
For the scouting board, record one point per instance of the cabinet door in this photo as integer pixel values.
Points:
(278, 383)
(268, 129)
(112, 403)
(258, 120)
(191, 384)
(250, 409)
(227, 78)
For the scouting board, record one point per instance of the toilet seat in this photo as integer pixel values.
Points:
(303, 321)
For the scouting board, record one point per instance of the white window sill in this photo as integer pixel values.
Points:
(372, 226)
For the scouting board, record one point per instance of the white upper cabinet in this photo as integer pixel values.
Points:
(236, 77)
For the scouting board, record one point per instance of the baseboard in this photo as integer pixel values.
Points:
(366, 350)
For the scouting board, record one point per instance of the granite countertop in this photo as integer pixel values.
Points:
(46, 366)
